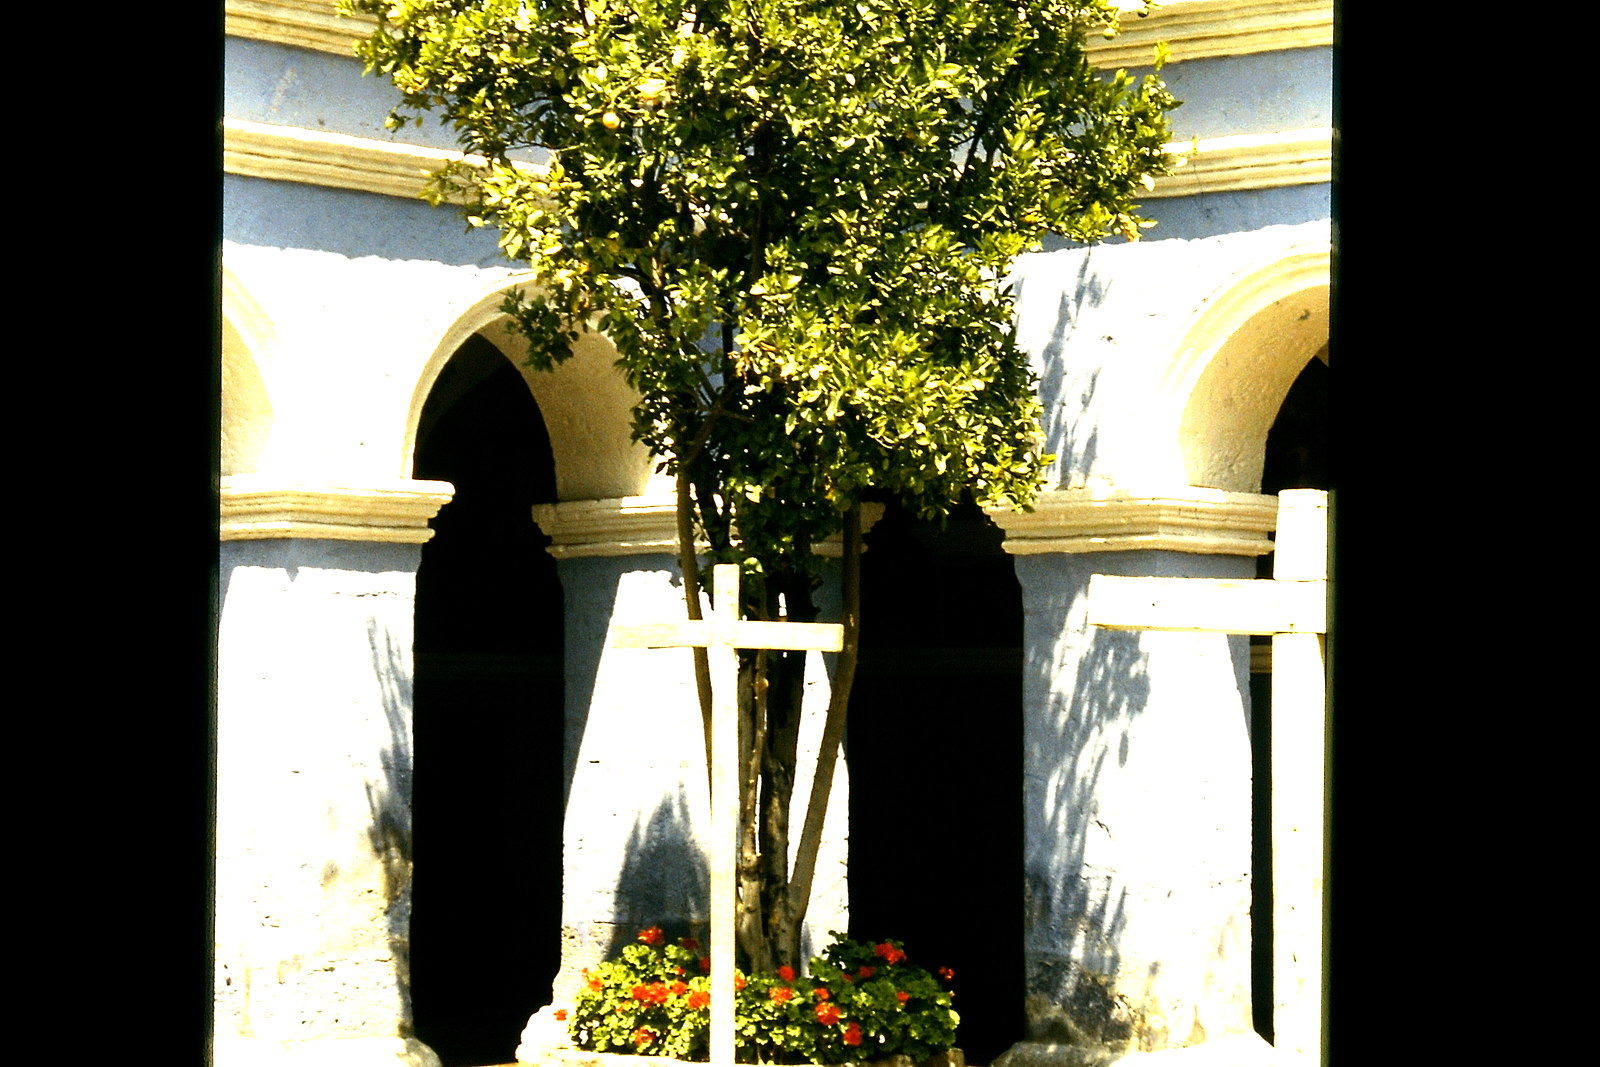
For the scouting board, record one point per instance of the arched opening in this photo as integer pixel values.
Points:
(486, 909)
(1296, 457)
(935, 750)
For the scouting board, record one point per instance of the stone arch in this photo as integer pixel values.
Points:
(247, 341)
(1238, 356)
(586, 403)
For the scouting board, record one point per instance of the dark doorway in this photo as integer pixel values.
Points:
(935, 752)
(486, 906)
(1296, 458)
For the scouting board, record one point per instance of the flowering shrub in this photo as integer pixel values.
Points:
(859, 1002)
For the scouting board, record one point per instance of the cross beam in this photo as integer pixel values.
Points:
(1292, 607)
(722, 634)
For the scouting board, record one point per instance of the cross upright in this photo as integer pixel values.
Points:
(722, 635)
(1292, 608)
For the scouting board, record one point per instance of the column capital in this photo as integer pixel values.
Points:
(1098, 519)
(260, 507)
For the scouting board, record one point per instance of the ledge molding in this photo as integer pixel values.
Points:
(1206, 29)
(637, 525)
(368, 165)
(313, 24)
(1190, 519)
(1248, 161)
(263, 507)
(1193, 29)
(335, 160)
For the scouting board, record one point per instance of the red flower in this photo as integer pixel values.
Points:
(889, 952)
(689, 943)
(866, 972)
(699, 999)
(780, 993)
(821, 994)
(848, 979)
(705, 964)
(654, 993)
(902, 996)
(738, 980)
(852, 1034)
(643, 1036)
(678, 989)
(827, 1014)
(561, 1015)
(786, 972)
(946, 973)
(651, 935)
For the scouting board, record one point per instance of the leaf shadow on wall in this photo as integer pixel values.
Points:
(664, 879)
(1070, 432)
(389, 798)
(1076, 915)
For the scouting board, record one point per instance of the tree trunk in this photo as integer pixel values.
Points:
(772, 900)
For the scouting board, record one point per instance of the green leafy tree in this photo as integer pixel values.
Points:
(794, 219)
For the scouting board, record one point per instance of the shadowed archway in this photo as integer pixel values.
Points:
(488, 711)
(935, 750)
(1297, 457)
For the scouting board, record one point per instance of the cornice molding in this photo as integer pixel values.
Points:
(1192, 519)
(1204, 29)
(635, 525)
(1248, 161)
(387, 168)
(261, 507)
(1193, 29)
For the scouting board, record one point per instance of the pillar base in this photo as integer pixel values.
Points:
(327, 1052)
(1248, 1050)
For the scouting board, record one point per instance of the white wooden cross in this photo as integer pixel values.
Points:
(1292, 607)
(721, 635)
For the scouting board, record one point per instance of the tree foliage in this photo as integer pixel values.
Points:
(794, 219)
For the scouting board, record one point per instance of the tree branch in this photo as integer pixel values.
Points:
(844, 673)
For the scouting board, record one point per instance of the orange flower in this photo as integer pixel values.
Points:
(866, 972)
(698, 999)
(902, 996)
(643, 1036)
(827, 1014)
(946, 973)
(852, 1034)
(738, 980)
(889, 952)
(821, 994)
(780, 993)
(596, 984)
(651, 935)
(786, 972)
(561, 1015)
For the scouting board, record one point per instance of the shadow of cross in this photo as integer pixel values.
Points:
(722, 634)
(1291, 606)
